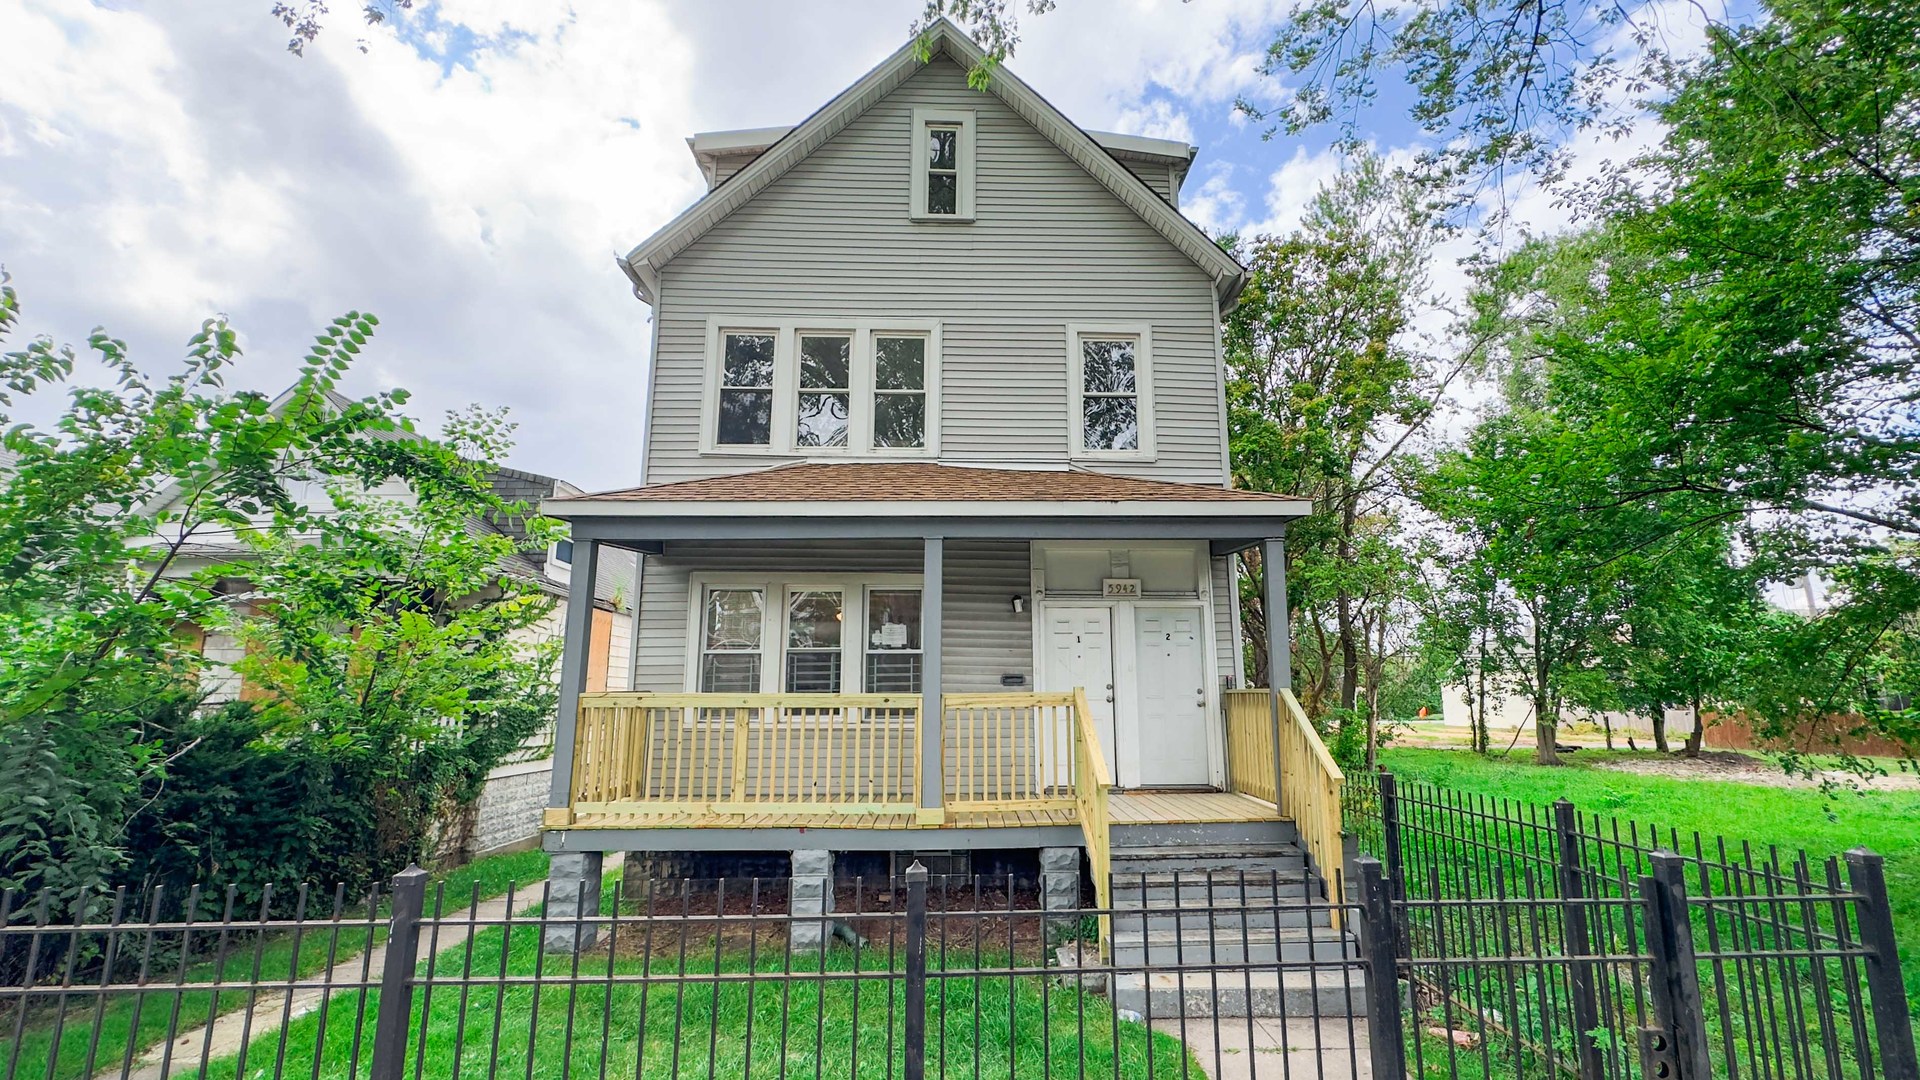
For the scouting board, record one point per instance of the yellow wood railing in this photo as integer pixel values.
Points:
(1250, 759)
(1009, 751)
(747, 753)
(1310, 795)
(1091, 783)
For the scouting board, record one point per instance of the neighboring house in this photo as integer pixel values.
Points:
(933, 504)
(509, 809)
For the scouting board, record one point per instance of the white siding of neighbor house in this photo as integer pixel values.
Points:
(831, 240)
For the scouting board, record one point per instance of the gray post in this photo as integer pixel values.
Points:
(1892, 1023)
(1273, 563)
(1675, 974)
(1586, 1006)
(933, 785)
(914, 1009)
(394, 1020)
(573, 671)
(1379, 943)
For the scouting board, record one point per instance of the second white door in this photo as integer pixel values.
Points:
(1170, 729)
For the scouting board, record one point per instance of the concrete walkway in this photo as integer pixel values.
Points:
(231, 1031)
(1282, 1049)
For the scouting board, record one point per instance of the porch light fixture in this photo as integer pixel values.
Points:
(1019, 603)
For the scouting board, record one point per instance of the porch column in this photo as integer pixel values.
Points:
(1273, 563)
(933, 716)
(573, 676)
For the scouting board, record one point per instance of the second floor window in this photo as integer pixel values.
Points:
(826, 387)
(1111, 372)
(899, 391)
(746, 390)
(826, 391)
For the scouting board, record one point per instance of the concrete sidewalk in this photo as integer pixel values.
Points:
(229, 1032)
(1301, 1048)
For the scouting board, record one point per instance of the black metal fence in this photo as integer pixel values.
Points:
(1580, 944)
(1484, 942)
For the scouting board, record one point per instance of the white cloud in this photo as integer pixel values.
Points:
(471, 176)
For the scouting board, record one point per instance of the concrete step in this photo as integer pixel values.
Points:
(1217, 945)
(1250, 859)
(1214, 834)
(1198, 890)
(1224, 917)
(1313, 992)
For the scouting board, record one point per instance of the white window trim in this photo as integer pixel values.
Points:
(917, 164)
(786, 331)
(1076, 390)
(773, 627)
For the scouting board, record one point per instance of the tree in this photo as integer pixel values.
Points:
(1326, 387)
(96, 515)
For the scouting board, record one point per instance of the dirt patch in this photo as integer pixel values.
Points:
(1737, 768)
(680, 916)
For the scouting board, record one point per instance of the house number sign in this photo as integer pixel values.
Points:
(1120, 588)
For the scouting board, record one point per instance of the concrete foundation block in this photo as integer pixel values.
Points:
(810, 893)
(1060, 885)
(573, 893)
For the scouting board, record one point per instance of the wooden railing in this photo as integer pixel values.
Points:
(1310, 795)
(1091, 783)
(1009, 751)
(1310, 782)
(747, 753)
(1250, 760)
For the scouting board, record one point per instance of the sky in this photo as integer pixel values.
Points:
(470, 176)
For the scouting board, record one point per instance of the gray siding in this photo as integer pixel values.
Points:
(982, 638)
(831, 240)
(1226, 647)
(1158, 177)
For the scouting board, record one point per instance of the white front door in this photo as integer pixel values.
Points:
(1080, 653)
(1171, 727)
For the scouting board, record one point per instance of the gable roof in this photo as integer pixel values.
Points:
(942, 39)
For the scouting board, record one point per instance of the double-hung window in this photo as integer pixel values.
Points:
(746, 389)
(825, 404)
(813, 661)
(732, 623)
(899, 391)
(1111, 373)
(802, 387)
(943, 165)
(893, 661)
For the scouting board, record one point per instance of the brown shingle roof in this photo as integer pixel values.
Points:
(925, 481)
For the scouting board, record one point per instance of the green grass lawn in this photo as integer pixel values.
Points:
(1802, 818)
(141, 1020)
(679, 1026)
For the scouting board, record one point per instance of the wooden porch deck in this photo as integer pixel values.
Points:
(1123, 808)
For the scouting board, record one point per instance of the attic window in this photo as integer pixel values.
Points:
(942, 144)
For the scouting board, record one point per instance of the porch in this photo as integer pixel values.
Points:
(663, 771)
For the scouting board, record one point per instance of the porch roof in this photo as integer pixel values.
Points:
(924, 498)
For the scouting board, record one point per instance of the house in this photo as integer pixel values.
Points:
(509, 809)
(936, 525)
